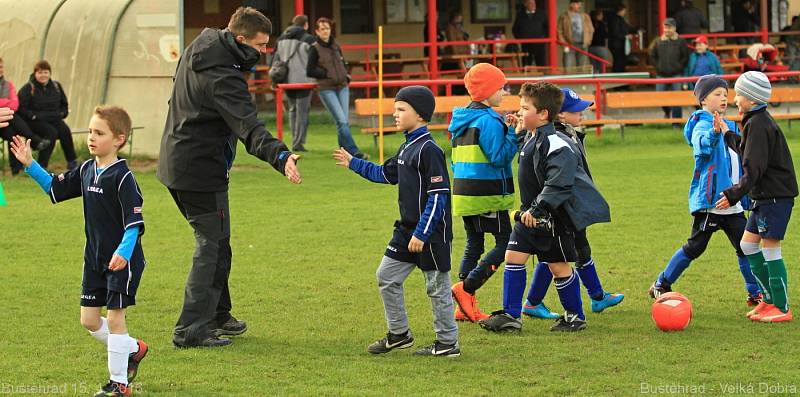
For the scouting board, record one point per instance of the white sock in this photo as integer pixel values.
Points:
(118, 350)
(102, 333)
(133, 345)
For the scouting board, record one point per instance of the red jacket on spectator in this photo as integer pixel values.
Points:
(10, 101)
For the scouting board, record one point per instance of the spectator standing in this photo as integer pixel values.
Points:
(293, 48)
(745, 19)
(618, 33)
(690, 20)
(599, 45)
(670, 56)
(455, 32)
(531, 24)
(792, 53)
(575, 28)
(326, 64)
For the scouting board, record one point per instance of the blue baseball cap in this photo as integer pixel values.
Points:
(572, 102)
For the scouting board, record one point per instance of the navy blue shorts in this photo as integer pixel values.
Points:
(551, 247)
(770, 218)
(114, 290)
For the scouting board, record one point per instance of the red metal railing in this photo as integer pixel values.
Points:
(448, 83)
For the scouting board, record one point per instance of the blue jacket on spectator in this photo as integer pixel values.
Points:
(713, 59)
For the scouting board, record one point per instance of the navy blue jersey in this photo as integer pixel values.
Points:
(420, 170)
(112, 202)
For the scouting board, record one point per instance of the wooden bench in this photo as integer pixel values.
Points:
(444, 105)
(655, 99)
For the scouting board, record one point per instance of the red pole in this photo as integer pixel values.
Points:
(598, 114)
(552, 20)
(279, 112)
(298, 7)
(432, 48)
(662, 15)
(764, 22)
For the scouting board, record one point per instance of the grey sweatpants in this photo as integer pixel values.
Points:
(391, 274)
(299, 106)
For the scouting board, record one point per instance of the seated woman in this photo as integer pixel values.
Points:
(17, 126)
(43, 105)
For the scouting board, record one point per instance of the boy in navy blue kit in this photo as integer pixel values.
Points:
(571, 117)
(113, 257)
(558, 199)
(423, 235)
(770, 181)
(717, 166)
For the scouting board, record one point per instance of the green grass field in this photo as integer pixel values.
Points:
(304, 279)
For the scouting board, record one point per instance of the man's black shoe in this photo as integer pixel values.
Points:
(208, 342)
(232, 327)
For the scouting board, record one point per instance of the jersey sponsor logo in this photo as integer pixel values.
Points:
(88, 297)
(437, 179)
(400, 161)
(95, 189)
(512, 242)
(137, 210)
(390, 248)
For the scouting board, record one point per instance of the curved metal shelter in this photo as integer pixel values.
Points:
(120, 52)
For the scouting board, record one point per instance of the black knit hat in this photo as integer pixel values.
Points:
(420, 98)
(706, 84)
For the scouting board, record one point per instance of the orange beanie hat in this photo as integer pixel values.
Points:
(483, 80)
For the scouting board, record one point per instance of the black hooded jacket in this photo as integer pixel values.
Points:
(42, 102)
(210, 107)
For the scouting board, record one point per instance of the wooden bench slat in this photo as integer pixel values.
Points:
(444, 104)
(645, 99)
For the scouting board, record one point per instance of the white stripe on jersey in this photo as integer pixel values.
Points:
(433, 211)
(556, 142)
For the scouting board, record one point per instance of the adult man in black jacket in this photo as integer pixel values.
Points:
(531, 24)
(209, 109)
(670, 55)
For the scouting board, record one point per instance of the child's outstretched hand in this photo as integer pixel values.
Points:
(719, 123)
(342, 157)
(117, 263)
(21, 148)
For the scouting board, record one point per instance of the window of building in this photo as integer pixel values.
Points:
(357, 17)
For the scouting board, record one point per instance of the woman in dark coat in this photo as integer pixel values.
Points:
(43, 104)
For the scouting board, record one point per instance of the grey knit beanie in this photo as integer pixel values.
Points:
(754, 86)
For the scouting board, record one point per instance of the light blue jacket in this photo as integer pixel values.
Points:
(713, 153)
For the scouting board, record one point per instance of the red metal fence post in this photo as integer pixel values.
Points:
(279, 112)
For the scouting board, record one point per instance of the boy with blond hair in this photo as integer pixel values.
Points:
(113, 256)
